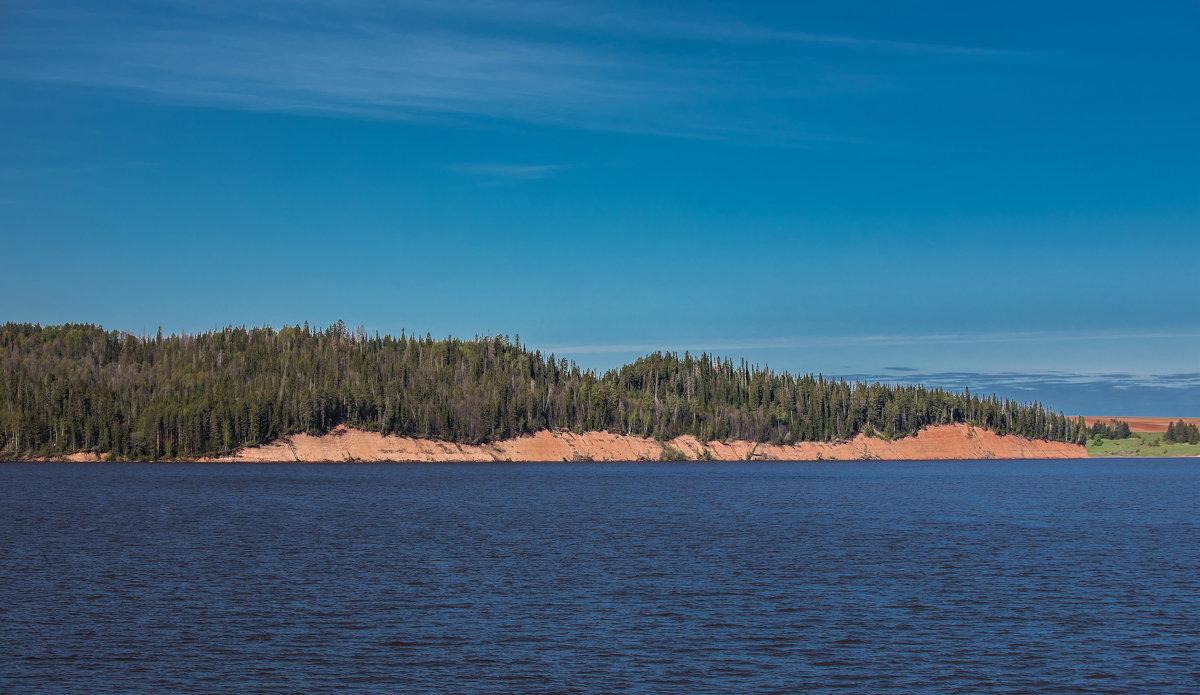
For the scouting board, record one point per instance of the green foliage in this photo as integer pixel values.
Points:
(78, 388)
(1113, 429)
(1141, 444)
(670, 453)
(1181, 432)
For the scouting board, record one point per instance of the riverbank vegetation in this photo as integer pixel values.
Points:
(78, 387)
(1141, 444)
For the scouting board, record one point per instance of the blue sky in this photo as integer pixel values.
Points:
(1004, 196)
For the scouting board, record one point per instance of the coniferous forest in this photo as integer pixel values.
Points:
(78, 387)
(1113, 429)
(1182, 432)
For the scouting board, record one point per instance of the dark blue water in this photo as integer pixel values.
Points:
(989, 577)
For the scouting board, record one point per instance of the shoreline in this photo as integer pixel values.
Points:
(71, 459)
(959, 442)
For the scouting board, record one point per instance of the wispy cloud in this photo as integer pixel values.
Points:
(563, 64)
(868, 340)
(513, 172)
(1037, 380)
(588, 18)
(1077, 393)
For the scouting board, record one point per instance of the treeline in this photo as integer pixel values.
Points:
(1182, 433)
(1113, 429)
(79, 388)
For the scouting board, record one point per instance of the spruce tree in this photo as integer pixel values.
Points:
(79, 388)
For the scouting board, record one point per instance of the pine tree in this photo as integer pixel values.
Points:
(76, 387)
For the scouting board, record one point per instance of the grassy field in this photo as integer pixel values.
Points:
(1141, 444)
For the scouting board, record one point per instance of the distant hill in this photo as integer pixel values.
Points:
(79, 388)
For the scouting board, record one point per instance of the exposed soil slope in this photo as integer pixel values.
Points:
(1143, 424)
(945, 442)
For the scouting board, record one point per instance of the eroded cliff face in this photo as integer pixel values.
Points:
(937, 443)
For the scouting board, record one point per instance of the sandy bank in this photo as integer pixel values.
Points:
(83, 457)
(938, 443)
(1143, 424)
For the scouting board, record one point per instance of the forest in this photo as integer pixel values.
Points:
(1113, 429)
(1182, 432)
(78, 387)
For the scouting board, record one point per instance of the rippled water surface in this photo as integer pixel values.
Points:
(988, 577)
